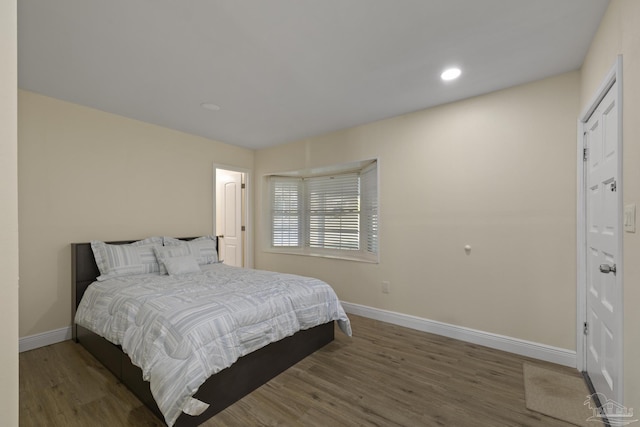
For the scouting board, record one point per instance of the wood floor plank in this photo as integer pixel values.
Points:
(385, 375)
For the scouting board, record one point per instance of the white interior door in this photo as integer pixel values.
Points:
(229, 216)
(603, 276)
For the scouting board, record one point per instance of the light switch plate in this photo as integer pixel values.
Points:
(630, 218)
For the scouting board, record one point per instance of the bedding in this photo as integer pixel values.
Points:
(181, 329)
(181, 265)
(125, 260)
(204, 249)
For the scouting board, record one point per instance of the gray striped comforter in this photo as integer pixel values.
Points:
(180, 330)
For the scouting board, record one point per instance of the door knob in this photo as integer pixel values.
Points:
(606, 268)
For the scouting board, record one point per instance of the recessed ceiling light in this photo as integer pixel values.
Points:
(209, 106)
(450, 74)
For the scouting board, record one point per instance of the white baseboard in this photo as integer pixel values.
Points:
(534, 350)
(46, 338)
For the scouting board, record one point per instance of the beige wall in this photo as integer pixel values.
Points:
(85, 174)
(496, 172)
(8, 214)
(619, 33)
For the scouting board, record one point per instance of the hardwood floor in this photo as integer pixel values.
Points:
(384, 375)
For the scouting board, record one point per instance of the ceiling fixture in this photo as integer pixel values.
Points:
(450, 74)
(209, 106)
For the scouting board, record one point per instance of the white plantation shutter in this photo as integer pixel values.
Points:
(286, 211)
(369, 208)
(333, 211)
(327, 215)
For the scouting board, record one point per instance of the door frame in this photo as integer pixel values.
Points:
(614, 76)
(248, 212)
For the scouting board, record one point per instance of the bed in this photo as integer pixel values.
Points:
(224, 386)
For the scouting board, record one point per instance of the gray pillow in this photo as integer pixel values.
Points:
(125, 260)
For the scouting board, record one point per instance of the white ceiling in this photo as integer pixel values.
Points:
(283, 70)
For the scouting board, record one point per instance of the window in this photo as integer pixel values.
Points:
(286, 199)
(332, 215)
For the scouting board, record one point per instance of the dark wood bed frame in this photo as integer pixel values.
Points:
(220, 390)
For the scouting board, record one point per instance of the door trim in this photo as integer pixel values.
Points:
(613, 76)
(248, 220)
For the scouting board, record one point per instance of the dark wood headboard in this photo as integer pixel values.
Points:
(84, 272)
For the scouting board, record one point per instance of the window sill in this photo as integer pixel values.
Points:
(326, 254)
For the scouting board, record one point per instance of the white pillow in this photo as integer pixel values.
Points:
(167, 252)
(124, 260)
(204, 249)
(181, 265)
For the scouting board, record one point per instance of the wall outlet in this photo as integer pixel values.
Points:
(385, 286)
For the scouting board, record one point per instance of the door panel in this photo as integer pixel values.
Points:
(231, 223)
(604, 311)
(229, 216)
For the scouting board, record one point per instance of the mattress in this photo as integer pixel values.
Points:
(182, 329)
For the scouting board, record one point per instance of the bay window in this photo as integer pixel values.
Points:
(326, 214)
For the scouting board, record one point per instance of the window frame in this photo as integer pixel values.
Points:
(365, 229)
